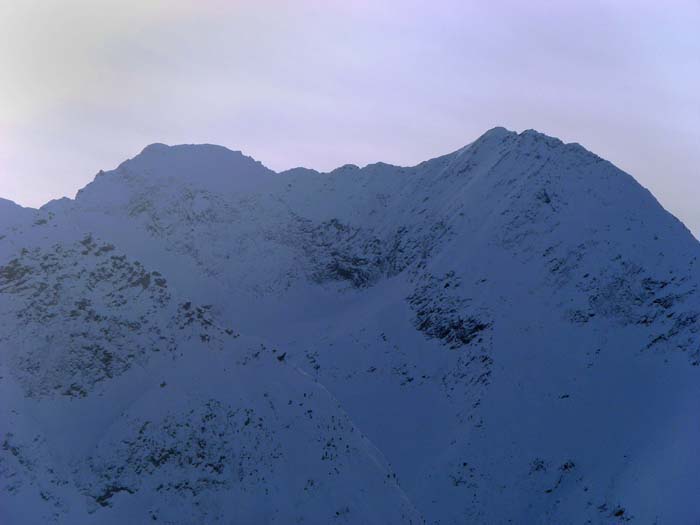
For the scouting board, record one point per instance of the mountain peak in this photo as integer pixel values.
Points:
(498, 131)
(215, 167)
(190, 154)
(159, 147)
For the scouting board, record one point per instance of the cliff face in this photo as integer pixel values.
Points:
(507, 332)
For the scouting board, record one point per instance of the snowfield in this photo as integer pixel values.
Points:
(504, 334)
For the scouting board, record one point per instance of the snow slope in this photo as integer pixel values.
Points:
(505, 334)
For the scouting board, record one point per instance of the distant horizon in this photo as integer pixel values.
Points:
(362, 166)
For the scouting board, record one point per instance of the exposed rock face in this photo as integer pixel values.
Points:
(508, 333)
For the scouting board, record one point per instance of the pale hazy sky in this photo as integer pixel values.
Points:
(87, 84)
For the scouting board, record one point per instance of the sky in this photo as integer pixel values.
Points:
(86, 84)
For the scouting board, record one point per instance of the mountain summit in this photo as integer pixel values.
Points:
(504, 334)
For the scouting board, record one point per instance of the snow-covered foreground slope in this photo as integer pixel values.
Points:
(505, 334)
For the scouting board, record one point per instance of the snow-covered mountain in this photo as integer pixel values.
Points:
(505, 334)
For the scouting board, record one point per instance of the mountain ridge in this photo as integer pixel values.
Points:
(497, 131)
(159, 147)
